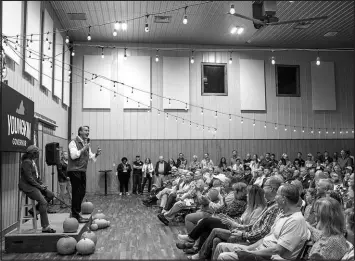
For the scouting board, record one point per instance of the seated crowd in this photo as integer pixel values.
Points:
(259, 208)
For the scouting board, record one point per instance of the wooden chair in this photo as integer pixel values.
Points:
(22, 210)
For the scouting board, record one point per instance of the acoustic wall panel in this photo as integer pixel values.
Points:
(94, 97)
(33, 31)
(48, 64)
(58, 68)
(323, 86)
(11, 26)
(252, 85)
(176, 82)
(135, 72)
(66, 83)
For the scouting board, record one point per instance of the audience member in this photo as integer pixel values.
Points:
(286, 239)
(330, 243)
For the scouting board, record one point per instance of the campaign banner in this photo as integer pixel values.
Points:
(17, 120)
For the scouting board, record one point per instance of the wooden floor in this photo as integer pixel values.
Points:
(135, 233)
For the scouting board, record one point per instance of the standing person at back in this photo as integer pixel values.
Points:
(234, 157)
(80, 154)
(137, 176)
(63, 179)
(181, 162)
(162, 169)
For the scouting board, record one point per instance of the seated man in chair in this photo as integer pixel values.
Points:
(31, 184)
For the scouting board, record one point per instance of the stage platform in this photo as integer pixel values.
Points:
(30, 242)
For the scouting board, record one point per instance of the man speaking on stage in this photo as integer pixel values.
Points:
(80, 153)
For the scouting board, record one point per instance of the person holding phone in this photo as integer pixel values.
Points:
(80, 154)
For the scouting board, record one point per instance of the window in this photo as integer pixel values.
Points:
(214, 79)
(288, 80)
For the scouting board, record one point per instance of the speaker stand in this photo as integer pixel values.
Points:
(49, 209)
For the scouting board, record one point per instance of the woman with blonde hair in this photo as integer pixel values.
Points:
(256, 203)
(330, 243)
(147, 171)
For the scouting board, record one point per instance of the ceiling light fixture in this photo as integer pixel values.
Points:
(318, 60)
(232, 10)
(125, 54)
(184, 21)
(114, 32)
(230, 58)
(146, 24)
(67, 38)
(102, 53)
(192, 57)
(157, 56)
(118, 26)
(89, 36)
(124, 26)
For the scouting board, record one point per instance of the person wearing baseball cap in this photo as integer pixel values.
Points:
(31, 184)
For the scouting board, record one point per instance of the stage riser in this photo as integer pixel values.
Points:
(40, 242)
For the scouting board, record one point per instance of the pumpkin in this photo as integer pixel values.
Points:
(87, 207)
(102, 223)
(70, 225)
(66, 245)
(94, 227)
(85, 246)
(90, 235)
(99, 216)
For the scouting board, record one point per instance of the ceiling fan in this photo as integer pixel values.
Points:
(264, 14)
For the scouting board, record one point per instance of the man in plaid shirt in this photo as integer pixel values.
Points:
(245, 234)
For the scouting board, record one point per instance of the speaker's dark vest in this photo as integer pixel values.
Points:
(81, 163)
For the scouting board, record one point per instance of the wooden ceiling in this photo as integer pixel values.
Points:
(208, 23)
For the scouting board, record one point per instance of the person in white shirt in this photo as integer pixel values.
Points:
(207, 163)
(79, 155)
(286, 238)
(147, 170)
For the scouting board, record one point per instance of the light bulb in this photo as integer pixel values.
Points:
(241, 121)
(302, 130)
(216, 115)
(124, 26)
(192, 59)
(273, 60)
(318, 61)
(232, 10)
(125, 57)
(240, 30)
(89, 37)
(118, 26)
(102, 56)
(254, 124)
(67, 39)
(265, 125)
(230, 117)
(230, 60)
(146, 28)
(73, 53)
(114, 32)
(157, 58)
(184, 21)
(234, 30)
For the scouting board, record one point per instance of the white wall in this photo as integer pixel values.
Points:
(119, 124)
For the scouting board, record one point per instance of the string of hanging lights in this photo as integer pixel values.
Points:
(294, 127)
(123, 24)
(211, 129)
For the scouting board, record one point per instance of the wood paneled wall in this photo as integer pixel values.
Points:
(114, 150)
(119, 124)
(44, 104)
(10, 177)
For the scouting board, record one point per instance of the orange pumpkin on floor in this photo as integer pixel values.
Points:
(90, 235)
(85, 246)
(102, 223)
(99, 216)
(94, 227)
(70, 225)
(87, 207)
(66, 245)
